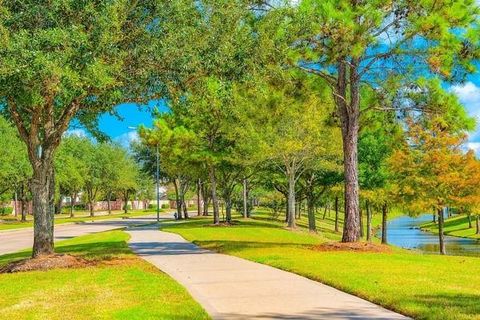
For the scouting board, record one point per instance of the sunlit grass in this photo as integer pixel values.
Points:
(456, 226)
(121, 286)
(421, 286)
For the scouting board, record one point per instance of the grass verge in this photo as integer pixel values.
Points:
(456, 226)
(118, 286)
(421, 286)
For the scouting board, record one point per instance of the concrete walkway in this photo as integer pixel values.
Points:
(16, 240)
(232, 288)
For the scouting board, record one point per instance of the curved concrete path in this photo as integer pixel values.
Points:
(232, 288)
(16, 240)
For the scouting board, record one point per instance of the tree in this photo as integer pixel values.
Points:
(128, 176)
(353, 44)
(15, 170)
(62, 60)
(429, 169)
(71, 169)
(289, 122)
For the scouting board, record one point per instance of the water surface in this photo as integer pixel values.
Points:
(404, 232)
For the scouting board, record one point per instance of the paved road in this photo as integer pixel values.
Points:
(13, 241)
(232, 288)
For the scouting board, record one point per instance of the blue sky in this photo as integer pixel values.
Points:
(120, 130)
(469, 95)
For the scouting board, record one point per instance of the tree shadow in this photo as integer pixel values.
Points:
(461, 306)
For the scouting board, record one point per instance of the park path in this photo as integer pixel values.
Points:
(233, 288)
(16, 240)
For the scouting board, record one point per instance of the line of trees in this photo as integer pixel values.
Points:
(75, 60)
(94, 171)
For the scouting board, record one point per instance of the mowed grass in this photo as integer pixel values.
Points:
(10, 222)
(120, 286)
(420, 286)
(456, 226)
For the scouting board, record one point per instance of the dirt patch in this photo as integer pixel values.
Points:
(46, 263)
(353, 247)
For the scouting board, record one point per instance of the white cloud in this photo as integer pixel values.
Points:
(475, 146)
(76, 132)
(127, 138)
(469, 95)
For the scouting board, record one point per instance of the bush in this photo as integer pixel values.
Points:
(165, 206)
(5, 211)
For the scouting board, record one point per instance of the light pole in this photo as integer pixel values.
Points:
(158, 184)
(157, 177)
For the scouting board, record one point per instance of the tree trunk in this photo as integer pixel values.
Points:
(349, 113)
(434, 217)
(384, 223)
(213, 182)
(478, 224)
(441, 236)
(15, 206)
(291, 200)
(185, 208)
(23, 203)
(361, 223)
(125, 199)
(336, 213)
(178, 201)
(228, 209)
(470, 226)
(109, 205)
(199, 202)
(325, 210)
(72, 204)
(311, 214)
(369, 221)
(287, 209)
(245, 199)
(43, 191)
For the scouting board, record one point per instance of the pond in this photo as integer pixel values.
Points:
(404, 232)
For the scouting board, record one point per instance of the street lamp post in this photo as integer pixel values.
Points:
(158, 184)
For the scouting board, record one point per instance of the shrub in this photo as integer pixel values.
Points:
(165, 206)
(5, 211)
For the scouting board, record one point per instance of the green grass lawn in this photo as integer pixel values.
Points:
(421, 286)
(14, 223)
(120, 286)
(456, 226)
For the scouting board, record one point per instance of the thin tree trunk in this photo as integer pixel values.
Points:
(109, 205)
(336, 213)
(361, 223)
(43, 191)
(291, 200)
(369, 221)
(469, 215)
(441, 236)
(325, 210)
(287, 209)
(213, 182)
(72, 204)
(228, 209)
(384, 223)
(311, 214)
(434, 217)
(245, 199)
(478, 224)
(199, 200)
(125, 199)
(23, 204)
(178, 202)
(15, 206)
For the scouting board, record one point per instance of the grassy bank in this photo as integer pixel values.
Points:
(456, 226)
(421, 286)
(118, 286)
(11, 222)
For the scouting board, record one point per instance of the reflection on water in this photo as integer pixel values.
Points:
(404, 232)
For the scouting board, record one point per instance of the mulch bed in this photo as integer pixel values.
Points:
(46, 263)
(353, 247)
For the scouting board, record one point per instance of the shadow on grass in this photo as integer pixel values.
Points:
(92, 251)
(233, 246)
(463, 306)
